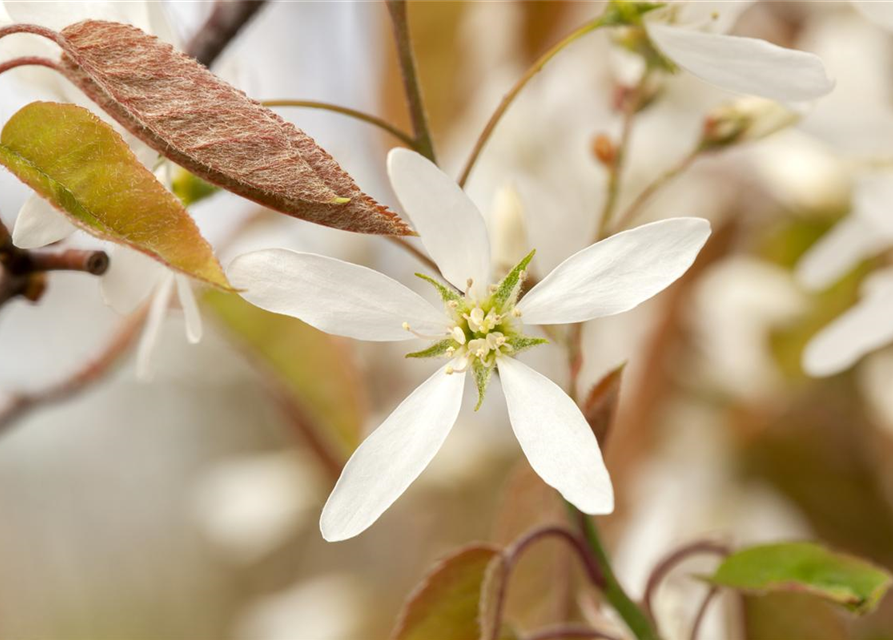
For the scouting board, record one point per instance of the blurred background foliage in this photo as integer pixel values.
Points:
(187, 508)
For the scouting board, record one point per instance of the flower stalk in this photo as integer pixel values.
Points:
(423, 142)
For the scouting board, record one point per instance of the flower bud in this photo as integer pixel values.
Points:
(509, 228)
(744, 120)
(604, 149)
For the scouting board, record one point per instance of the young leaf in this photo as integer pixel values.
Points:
(805, 567)
(445, 604)
(190, 116)
(85, 169)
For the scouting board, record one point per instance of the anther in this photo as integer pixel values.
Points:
(516, 312)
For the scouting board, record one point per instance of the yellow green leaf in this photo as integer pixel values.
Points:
(85, 169)
(805, 567)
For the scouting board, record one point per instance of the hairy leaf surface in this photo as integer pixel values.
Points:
(85, 169)
(189, 115)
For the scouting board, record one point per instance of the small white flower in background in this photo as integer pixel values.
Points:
(249, 506)
(863, 234)
(693, 36)
(865, 327)
(480, 330)
(132, 278)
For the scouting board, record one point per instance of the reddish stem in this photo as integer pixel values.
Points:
(37, 30)
(31, 61)
(665, 566)
(512, 554)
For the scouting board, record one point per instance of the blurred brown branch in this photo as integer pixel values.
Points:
(227, 19)
(20, 404)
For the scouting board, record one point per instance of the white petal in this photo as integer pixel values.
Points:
(881, 13)
(715, 16)
(393, 456)
(616, 274)
(556, 438)
(154, 321)
(130, 279)
(873, 202)
(451, 227)
(850, 241)
(334, 296)
(39, 224)
(865, 327)
(744, 65)
(190, 309)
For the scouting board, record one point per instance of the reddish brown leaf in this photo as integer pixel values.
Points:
(601, 404)
(445, 604)
(190, 116)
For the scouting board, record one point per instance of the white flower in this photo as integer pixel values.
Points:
(132, 278)
(865, 327)
(480, 330)
(693, 36)
(864, 233)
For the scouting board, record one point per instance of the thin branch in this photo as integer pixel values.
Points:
(411, 84)
(665, 566)
(19, 405)
(32, 29)
(347, 111)
(516, 89)
(656, 185)
(29, 61)
(513, 554)
(92, 262)
(702, 611)
(632, 102)
(404, 244)
(227, 19)
(567, 632)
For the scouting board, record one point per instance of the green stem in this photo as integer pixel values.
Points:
(375, 121)
(516, 89)
(411, 84)
(631, 613)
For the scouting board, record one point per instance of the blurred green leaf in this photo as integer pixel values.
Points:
(445, 605)
(805, 567)
(85, 169)
(190, 188)
(312, 366)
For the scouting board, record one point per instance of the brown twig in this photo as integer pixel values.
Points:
(21, 404)
(411, 84)
(415, 252)
(92, 262)
(567, 632)
(671, 561)
(227, 19)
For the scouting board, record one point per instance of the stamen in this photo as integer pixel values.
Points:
(423, 336)
(493, 288)
(450, 370)
(516, 312)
